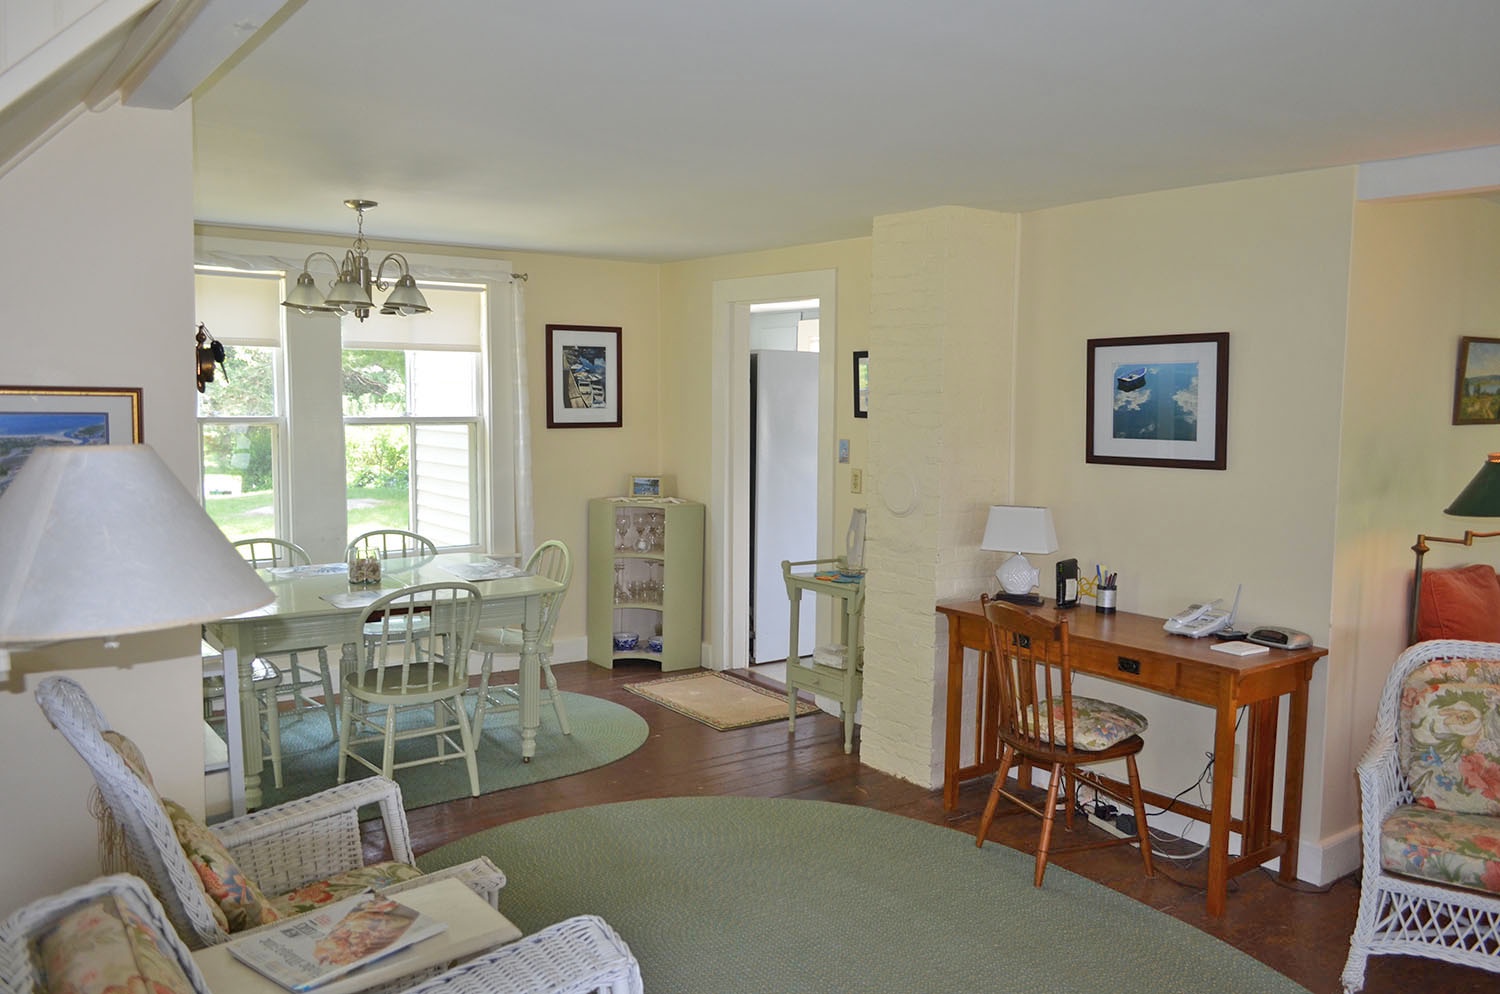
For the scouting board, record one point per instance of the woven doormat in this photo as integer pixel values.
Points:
(719, 701)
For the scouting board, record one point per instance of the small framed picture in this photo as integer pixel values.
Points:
(583, 376)
(862, 384)
(1158, 400)
(33, 416)
(645, 486)
(1476, 385)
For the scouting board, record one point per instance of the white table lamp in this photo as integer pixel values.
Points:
(1020, 530)
(102, 541)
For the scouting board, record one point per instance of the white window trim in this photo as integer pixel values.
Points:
(497, 505)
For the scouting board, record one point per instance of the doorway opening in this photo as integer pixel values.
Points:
(783, 480)
(729, 560)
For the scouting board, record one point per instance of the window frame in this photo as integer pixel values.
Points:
(502, 338)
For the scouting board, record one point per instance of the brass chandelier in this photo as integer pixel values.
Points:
(349, 293)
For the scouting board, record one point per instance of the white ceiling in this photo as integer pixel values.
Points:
(671, 129)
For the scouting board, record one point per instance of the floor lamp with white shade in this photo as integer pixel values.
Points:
(102, 541)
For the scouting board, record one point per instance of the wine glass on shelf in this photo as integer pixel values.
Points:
(643, 533)
(622, 530)
(622, 593)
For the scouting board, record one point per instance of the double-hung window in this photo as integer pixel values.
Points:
(241, 422)
(413, 396)
(413, 429)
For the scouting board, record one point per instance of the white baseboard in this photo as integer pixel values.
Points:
(570, 650)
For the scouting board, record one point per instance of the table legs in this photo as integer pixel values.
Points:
(1221, 815)
(529, 687)
(238, 667)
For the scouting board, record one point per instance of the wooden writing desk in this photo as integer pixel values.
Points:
(1133, 649)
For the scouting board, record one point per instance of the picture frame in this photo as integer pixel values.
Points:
(645, 486)
(33, 416)
(583, 376)
(862, 384)
(1476, 382)
(1158, 400)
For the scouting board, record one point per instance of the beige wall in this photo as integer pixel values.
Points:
(687, 323)
(687, 352)
(1423, 276)
(571, 465)
(1265, 260)
(81, 215)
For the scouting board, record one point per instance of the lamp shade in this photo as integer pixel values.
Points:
(1019, 529)
(305, 295)
(103, 541)
(405, 298)
(1481, 498)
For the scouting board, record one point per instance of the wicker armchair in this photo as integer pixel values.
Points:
(1446, 903)
(280, 849)
(574, 956)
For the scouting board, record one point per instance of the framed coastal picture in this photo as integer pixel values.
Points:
(33, 416)
(583, 376)
(1476, 384)
(1158, 400)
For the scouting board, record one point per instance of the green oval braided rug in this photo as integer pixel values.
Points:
(719, 895)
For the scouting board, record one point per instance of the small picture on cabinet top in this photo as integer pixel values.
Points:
(645, 486)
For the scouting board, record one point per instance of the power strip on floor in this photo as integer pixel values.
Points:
(1108, 826)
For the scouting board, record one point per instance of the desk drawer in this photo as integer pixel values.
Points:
(1141, 669)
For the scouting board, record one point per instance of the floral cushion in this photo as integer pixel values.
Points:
(243, 904)
(1096, 724)
(1448, 847)
(104, 948)
(1450, 742)
(347, 884)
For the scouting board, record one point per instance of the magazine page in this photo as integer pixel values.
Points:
(314, 948)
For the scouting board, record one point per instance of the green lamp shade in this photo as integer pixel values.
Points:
(1481, 498)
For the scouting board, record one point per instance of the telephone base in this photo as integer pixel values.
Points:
(1034, 600)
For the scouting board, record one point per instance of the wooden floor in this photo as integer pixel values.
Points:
(1302, 933)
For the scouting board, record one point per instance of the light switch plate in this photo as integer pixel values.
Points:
(843, 450)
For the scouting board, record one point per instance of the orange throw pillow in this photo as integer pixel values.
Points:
(1460, 603)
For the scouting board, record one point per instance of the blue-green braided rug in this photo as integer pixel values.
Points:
(720, 895)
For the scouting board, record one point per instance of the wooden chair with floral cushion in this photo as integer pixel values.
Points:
(1041, 721)
(111, 935)
(250, 870)
(1430, 812)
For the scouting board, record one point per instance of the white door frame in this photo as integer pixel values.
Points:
(729, 506)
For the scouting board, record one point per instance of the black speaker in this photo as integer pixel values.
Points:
(1067, 583)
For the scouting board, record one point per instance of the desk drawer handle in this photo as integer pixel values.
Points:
(1128, 665)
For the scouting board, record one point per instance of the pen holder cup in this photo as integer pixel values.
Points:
(1104, 600)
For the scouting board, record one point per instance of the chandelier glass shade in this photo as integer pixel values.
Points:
(349, 293)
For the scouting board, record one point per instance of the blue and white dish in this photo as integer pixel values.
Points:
(625, 641)
(654, 643)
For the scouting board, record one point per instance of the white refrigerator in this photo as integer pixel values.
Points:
(783, 493)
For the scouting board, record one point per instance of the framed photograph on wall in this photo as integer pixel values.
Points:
(33, 416)
(1158, 400)
(862, 384)
(1476, 384)
(583, 376)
